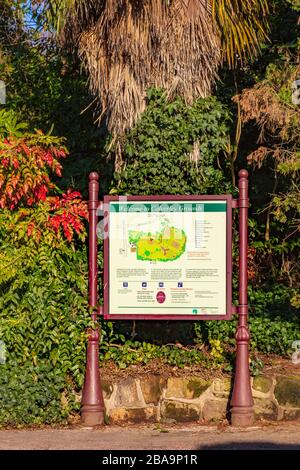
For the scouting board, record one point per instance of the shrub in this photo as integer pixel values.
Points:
(43, 268)
(268, 334)
(34, 395)
(174, 149)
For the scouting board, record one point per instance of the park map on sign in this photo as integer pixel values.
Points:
(167, 244)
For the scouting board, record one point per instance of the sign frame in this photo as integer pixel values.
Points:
(169, 198)
(241, 404)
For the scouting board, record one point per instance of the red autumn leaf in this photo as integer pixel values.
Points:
(30, 228)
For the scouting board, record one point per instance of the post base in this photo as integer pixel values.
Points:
(92, 416)
(242, 417)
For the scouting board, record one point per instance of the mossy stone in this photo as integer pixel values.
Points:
(262, 384)
(197, 386)
(265, 409)
(215, 410)
(180, 412)
(222, 387)
(287, 391)
(133, 415)
(152, 388)
(189, 388)
(107, 389)
(291, 413)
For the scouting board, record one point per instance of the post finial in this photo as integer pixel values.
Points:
(93, 176)
(243, 174)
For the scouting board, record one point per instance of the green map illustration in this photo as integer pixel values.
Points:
(166, 244)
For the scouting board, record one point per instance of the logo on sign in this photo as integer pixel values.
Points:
(160, 297)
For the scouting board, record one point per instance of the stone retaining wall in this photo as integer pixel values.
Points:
(192, 399)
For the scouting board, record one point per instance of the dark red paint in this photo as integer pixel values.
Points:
(92, 409)
(242, 401)
(160, 297)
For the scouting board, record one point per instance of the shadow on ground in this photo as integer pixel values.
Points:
(258, 445)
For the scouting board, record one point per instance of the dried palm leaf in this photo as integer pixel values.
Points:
(130, 45)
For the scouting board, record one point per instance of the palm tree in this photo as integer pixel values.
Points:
(129, 45)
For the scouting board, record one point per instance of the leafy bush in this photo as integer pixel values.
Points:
(9, 124)
(174, 149)
(135, 352)
(274, 335)
(268, 334)
(25, 166)
(43, 267)
(43, 305)
(34, 395)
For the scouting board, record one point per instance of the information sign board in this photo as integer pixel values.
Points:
(167, 257)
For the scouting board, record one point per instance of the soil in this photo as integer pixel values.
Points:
(279, 366)
(272, 365)
(110, 372)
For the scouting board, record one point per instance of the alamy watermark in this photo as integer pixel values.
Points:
(2, 352)
(296, 92)
(296, 354)
(131, 211)
(2, 92)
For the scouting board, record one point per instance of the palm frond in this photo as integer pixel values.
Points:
(242, 25)
(136, 44)
(128, 46)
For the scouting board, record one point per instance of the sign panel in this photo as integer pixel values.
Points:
(167, 257)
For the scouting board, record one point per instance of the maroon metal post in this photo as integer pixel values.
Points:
(242, 413)
(92, 405)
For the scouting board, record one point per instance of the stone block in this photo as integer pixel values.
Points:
(291, 413)
(133, 415)
(287, 391)
(214, 410)
(152, 388)
(262, 384)
(107, 388)
(127, 395)
(180, 412)
(265, 409)
(197, 386)
(222, 387)
(189, 388)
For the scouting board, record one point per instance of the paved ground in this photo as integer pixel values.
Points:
(276, 436)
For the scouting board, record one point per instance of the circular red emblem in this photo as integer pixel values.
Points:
(160, 297)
